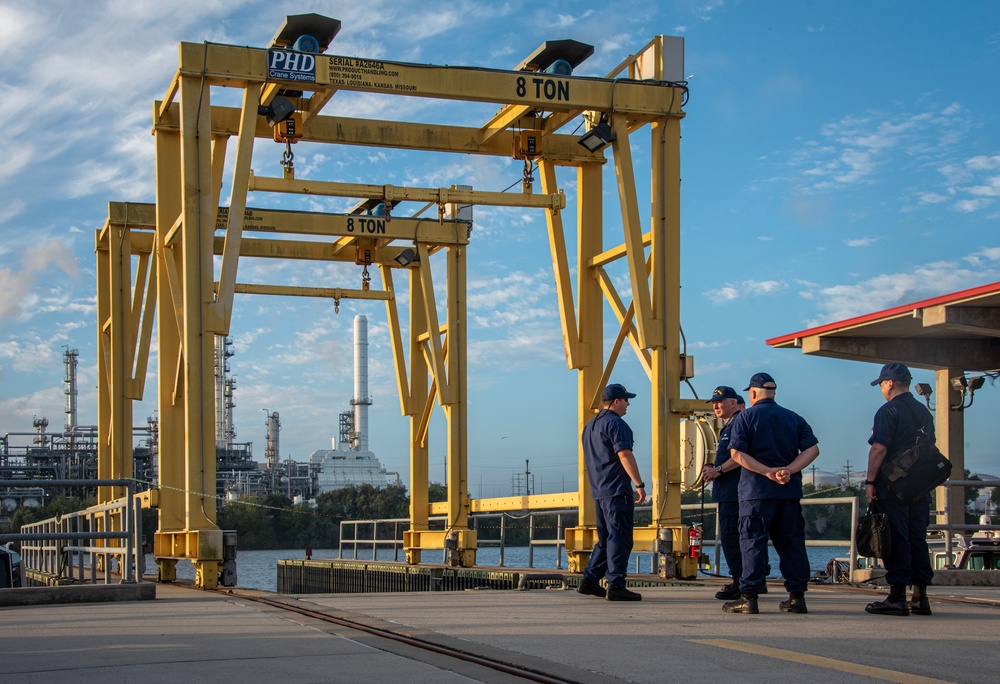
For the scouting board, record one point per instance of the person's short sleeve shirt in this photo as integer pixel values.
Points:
(774, 436)
(603, 438)
(725, 487)
(894, 426)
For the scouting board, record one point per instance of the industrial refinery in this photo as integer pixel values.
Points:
(71, 453)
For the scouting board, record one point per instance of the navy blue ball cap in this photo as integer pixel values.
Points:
(894, 371)
(761, 381)
(740, 401)
(616, 391)
(723, 392)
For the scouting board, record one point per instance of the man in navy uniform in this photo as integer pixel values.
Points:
(612, 469)
(897, 423)
(724, 475)
(773, 445)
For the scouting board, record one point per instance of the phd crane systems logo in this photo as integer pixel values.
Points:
(286, 65)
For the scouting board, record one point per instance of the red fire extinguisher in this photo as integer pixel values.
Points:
(694, 542)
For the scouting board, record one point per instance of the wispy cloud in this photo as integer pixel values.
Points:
(746, 289)
(858, 148)
(705, 10)
(872, 148)
(861, 242)
(970, 184)
(28, 353)
(510, 299)
(16, 285)
(884, 291)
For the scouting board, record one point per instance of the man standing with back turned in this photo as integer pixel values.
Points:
(611, 468)
(773, 445)
(897, 423)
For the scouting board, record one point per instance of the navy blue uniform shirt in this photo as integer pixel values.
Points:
(725, 487)
(603, 438)
(774, 436)
(894, 427)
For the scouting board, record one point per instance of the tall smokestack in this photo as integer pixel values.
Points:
(220, 391)
(71, 358)
(361, 401)
(273, 435)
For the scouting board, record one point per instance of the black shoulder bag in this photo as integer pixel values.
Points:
(871, 538)
(913, 474)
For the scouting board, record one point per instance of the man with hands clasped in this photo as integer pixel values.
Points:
(773, 445)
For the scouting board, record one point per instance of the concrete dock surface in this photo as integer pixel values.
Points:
(673, 634)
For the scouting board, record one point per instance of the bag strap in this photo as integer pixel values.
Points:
(918, 425)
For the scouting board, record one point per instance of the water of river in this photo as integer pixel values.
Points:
(258, 569)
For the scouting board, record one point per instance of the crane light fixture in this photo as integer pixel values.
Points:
(280, 109)
(406, 257)
(306, 33)
(597, 137)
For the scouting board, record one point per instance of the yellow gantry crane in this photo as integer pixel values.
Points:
(162, 257)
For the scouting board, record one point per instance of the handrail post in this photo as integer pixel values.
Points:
(503, 536)
(559, 541)
(140, 556)
(852, 553)
(531, 540)
(395, 541)
(718, 544)
(947, 531)
(128, 544)
(107, 544)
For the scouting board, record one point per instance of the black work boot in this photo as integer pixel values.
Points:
(619, 592)
(729, 592)
(894, 603)
(796, 603)
(919, 605)
(591, 588)
(746, 604)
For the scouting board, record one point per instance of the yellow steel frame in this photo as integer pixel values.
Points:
(175, 240)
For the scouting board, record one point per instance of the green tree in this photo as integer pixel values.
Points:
(436, 492)
(832, 521)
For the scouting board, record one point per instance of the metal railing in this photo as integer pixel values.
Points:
(838, 500)
(952, 530)
(351, 542)
(82, 545)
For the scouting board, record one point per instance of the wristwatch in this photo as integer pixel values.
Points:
(641, 485)
(718, 468)
(870, 482)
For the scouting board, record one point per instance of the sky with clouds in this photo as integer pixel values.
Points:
(837, 159)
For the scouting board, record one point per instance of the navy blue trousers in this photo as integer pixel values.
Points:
(909, 560)
(729, 537)
(609, 558)
(780, 520)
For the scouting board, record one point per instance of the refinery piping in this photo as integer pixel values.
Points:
(72, 453)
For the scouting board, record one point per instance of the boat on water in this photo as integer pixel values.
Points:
(980, 551)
